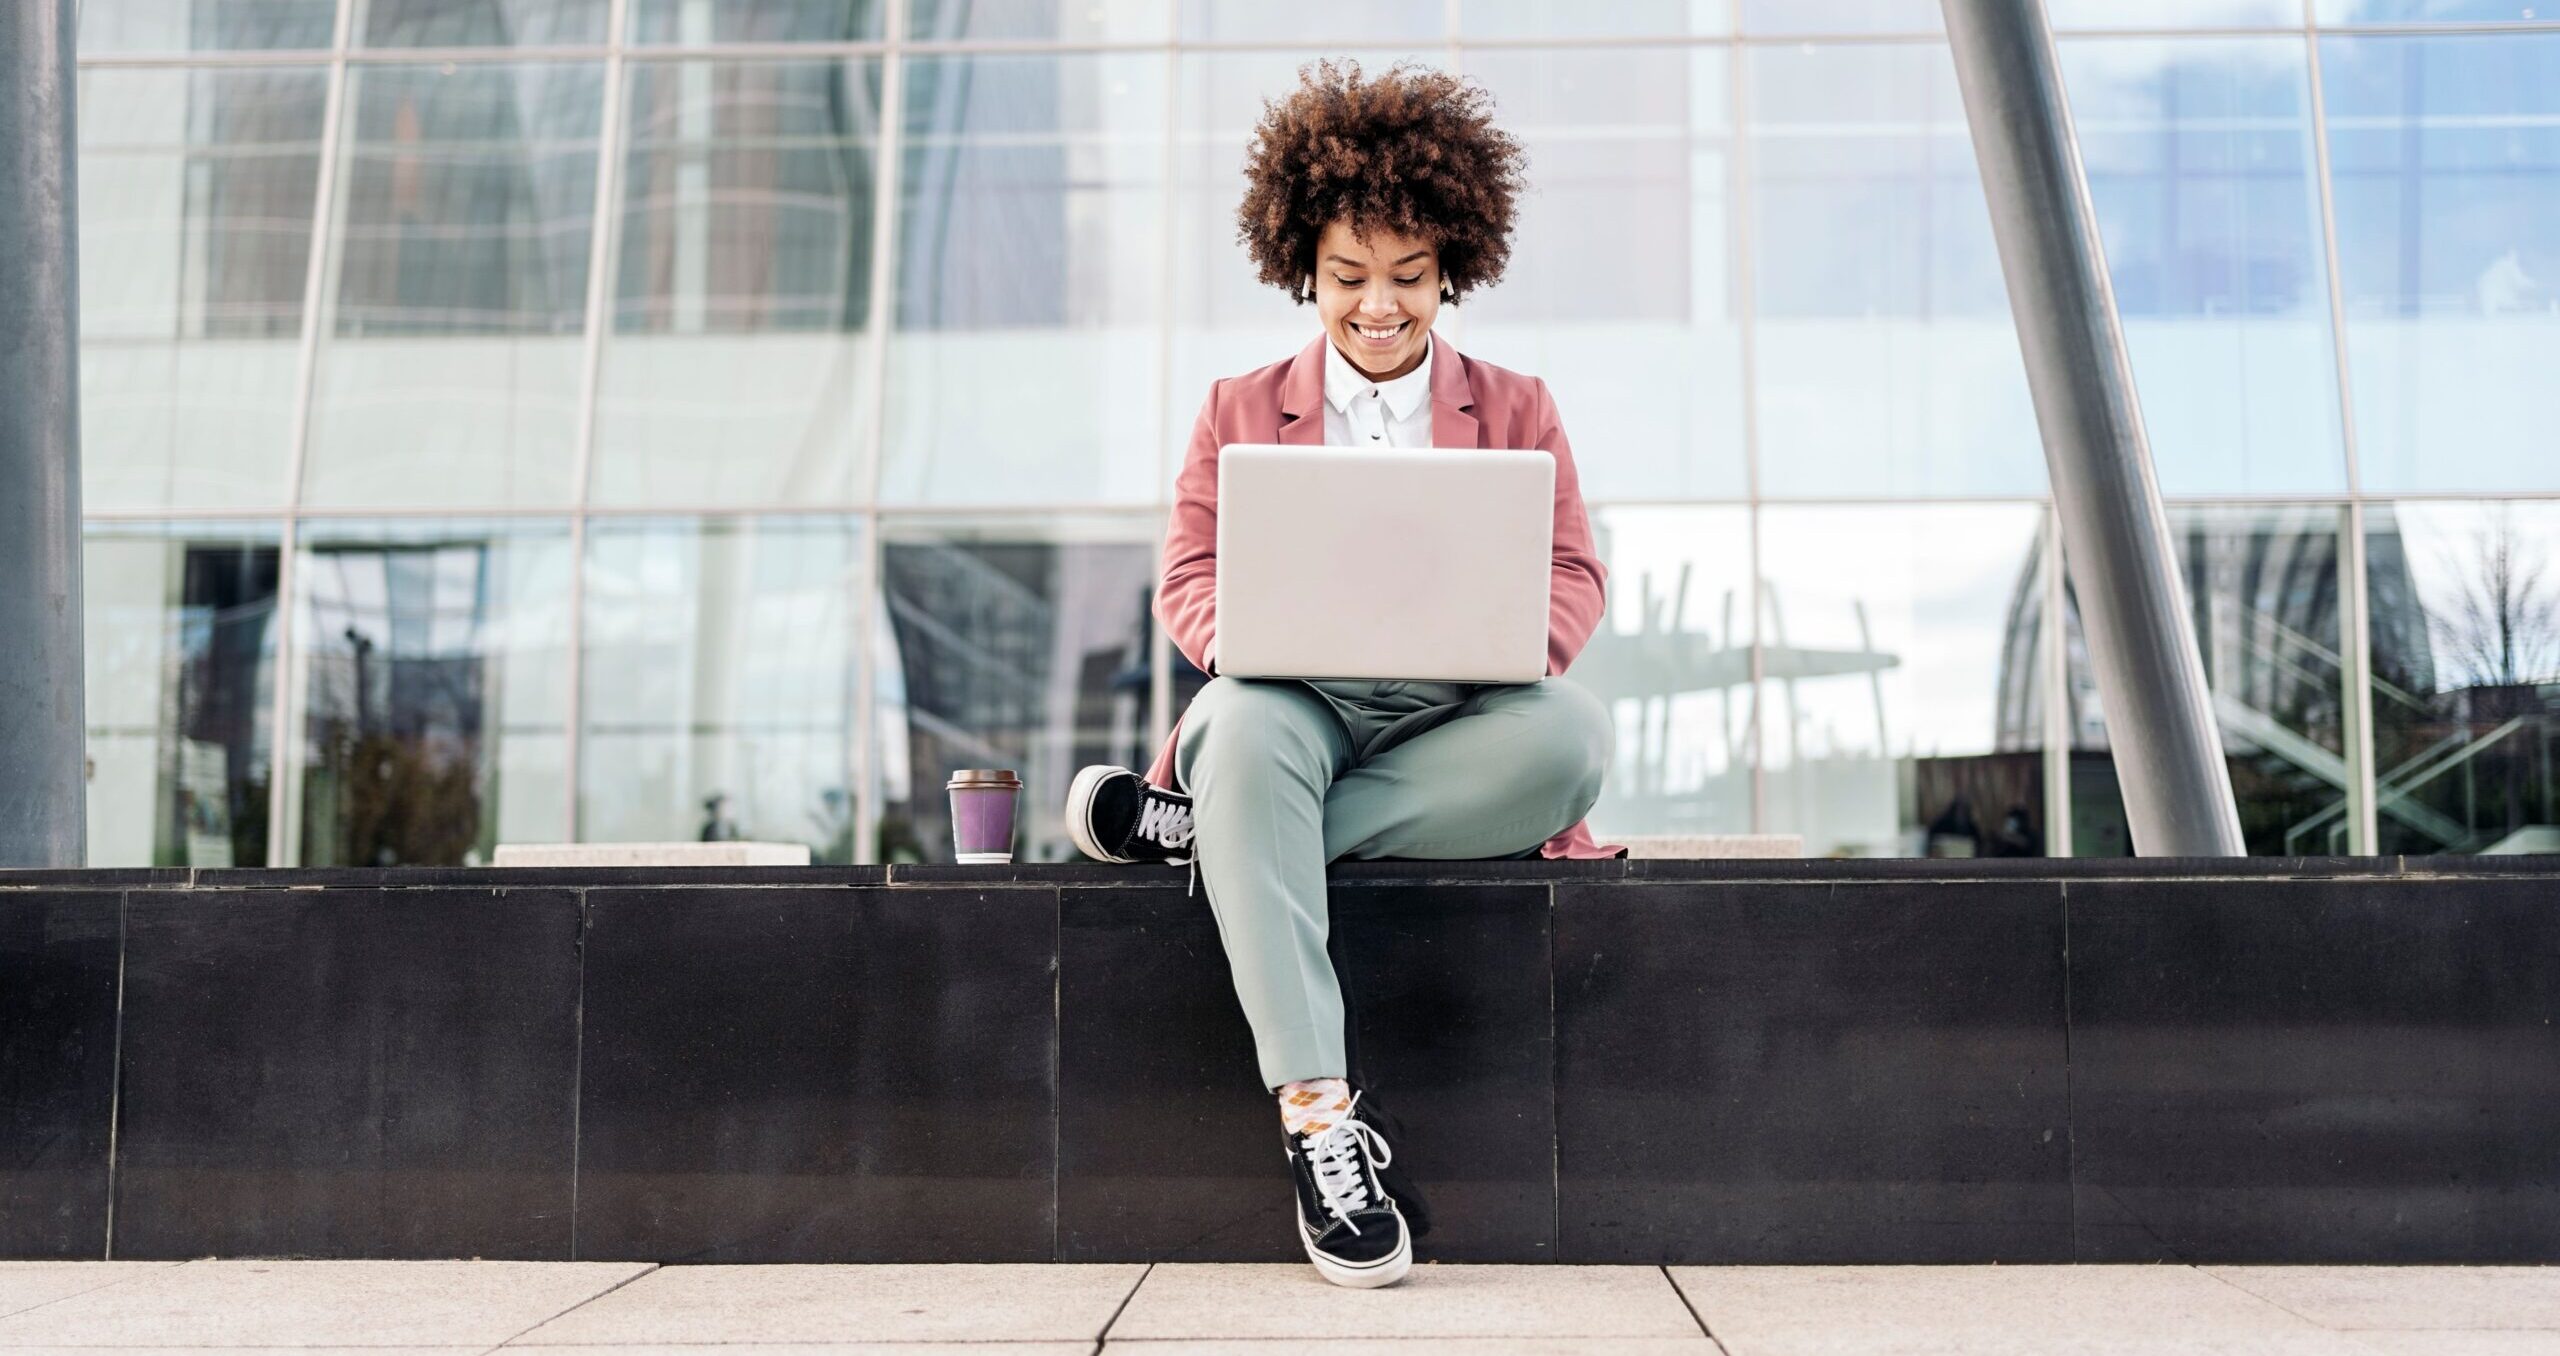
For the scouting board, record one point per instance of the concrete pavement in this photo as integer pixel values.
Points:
(613, 1309)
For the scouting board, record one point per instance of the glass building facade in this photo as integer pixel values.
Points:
(547, 420)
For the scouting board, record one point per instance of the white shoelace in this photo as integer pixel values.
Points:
(1165, 822)
(1336, 1155)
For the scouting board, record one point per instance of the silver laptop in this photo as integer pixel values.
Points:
(1390, 563)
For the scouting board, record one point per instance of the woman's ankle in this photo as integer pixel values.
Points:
(1310, 1106)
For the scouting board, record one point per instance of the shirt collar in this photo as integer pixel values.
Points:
(1403, 396)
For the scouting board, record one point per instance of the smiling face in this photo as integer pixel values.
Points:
(1377, 297)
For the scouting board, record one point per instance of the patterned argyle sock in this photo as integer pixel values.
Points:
(1310, 1106)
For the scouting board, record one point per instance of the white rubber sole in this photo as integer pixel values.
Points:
(1384, 1272)
(1080, 794)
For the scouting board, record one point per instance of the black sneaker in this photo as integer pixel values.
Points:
(1352, 1229)
(1115, 815)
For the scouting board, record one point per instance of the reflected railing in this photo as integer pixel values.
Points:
(2434, 792)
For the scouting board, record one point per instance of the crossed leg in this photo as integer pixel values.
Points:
(1277, 793)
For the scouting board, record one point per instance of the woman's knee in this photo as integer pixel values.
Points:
(1256, 715)
(1577, 737)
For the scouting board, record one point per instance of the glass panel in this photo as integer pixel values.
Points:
(2263, 586)
(1315, 21)
(202, 26)
(196, 193)
(1619, 19)
(2446, 156)
(693, 22)
(1225, 322)
(1025, 365)
(2171, 15)
(435, 689)
(722, 682)
(2200, 161)
(1618, 290)
(1924, 16)
(451, 372)
(1040, 20)
(482, 23)
(2466, 675)
(1841, 16)
(1012, 647)
(1673, 661)
(1887, 365)
(181, 650)
(2435, 11)
(1898, 654)
(739, 369)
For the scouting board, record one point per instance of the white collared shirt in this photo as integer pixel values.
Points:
(1361, 412)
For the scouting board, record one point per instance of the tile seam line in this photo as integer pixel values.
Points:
(1058, 1080)
(1555, 1093)
(1686, 1303)
(548, 1319)
(2207, 1271)
(102, 1285)
(578, 1067)
(115, 1072)
(1103, 1338)
(2070, 1113)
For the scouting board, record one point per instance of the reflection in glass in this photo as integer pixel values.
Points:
(1315, 21)
(1001, 650)
(2434, 11)
(1225, 321)
(482, 23)
(1841, 16)
(704, 21)
(196, 192)
(202, 26)
(1673, 662)
(2262, 584)
(722, 682)
(1039, 20)
(1025, 365)
(1568, 19)
(434, 690)
(2466, 675)
(738, 371)
(1887, 365)
(2446, 156)
(450, 374)
(181, 648)
(1898, 655)
(1617, 293)
(2158, 15)
(1872, 17)
(2200, 162)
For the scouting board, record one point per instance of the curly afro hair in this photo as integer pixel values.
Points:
(1414, 150)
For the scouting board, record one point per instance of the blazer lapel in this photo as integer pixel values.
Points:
(1452, 395)
(1302, 397)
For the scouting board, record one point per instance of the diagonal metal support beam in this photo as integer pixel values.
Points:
(43, 786)
(2115, 537)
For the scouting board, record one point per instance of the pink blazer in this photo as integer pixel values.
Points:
(1473, 404)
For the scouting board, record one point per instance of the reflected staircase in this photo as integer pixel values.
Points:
(2432, 792)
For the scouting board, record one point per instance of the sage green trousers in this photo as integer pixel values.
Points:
(1286, 776)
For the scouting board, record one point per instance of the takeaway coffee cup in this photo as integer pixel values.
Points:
(982, 805)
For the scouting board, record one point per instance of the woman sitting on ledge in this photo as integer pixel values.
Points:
(1380, 200)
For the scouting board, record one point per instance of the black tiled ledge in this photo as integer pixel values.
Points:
(1810, 870)
(2015, 1060)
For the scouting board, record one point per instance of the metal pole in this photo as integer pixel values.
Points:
(43, 756)
(2177, 789)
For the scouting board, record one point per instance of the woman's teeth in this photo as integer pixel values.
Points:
(1389, 332)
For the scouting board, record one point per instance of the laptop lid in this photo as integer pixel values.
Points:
(1386, 563)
